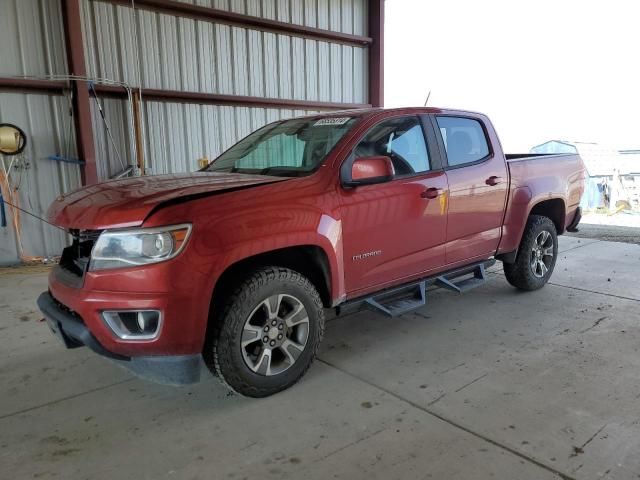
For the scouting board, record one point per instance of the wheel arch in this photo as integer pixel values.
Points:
(519, 210)
(554, 209)
(309, 260)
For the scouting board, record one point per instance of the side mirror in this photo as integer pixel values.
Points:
(12, 139)
(370, 170)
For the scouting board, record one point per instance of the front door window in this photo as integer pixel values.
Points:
(400, 139)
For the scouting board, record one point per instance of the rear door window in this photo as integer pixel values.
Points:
(464, 140)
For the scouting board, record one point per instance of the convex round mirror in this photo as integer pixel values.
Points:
(12, 139)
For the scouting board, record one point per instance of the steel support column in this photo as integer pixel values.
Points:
(81, 100)
(376, 53)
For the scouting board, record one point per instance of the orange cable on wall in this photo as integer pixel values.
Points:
(14, 201)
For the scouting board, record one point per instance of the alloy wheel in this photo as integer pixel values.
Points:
(542, 254)
(275, 334)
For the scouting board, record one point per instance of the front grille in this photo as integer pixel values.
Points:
(75, 258)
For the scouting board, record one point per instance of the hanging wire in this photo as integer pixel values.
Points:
(136, 36)
(67, 148)
(35, 216)
(102, 81)
(106, 125)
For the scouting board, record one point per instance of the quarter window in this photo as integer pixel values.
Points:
(402, 140)
(464, 140)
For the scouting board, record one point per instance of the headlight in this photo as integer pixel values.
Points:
(141, 246)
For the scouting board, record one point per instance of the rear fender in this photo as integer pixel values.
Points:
(524, 202)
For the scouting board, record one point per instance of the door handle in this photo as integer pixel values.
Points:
(431, 193)
(493, 181)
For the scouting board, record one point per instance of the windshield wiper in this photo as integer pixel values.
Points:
(277, 171)
(283, 171)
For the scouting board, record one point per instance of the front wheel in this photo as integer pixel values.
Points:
(536, 255)
(268, 333)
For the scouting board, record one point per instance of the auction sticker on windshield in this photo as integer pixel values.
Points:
(332, 121)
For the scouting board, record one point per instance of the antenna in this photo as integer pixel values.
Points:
(427, 100)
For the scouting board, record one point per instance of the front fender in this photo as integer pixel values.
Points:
(235, 226)
(326, 235)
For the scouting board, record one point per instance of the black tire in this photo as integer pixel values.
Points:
(522, 274)
(230, 361)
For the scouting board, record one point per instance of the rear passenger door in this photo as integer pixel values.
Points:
(477, 188)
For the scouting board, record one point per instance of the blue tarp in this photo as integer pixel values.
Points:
(593, 196)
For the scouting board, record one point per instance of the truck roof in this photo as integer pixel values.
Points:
(362, 112)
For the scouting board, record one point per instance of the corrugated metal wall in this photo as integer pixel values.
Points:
(32, 38)
(201, 56)
(346, 16)
(45, 120)
(176, 54)
(34, 45)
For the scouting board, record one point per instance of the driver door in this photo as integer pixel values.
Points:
(395, 231)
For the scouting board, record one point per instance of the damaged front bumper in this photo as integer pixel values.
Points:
(73, 333)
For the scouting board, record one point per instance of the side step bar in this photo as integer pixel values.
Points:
(478, 278)
(400, 300)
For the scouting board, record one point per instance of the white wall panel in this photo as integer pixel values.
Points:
(298, 69)
(240, 56)
(256, 65)
(32, 38)
(170, 60)
(150, 64)
(335, 64)
(188, 55)
(223, 59)
(271, 75)
(207, 57)
(200, 56)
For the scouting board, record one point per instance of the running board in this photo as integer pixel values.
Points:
(401, 300)
(479, 277)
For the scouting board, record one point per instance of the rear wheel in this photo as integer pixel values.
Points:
(536, 255)
(268, 333)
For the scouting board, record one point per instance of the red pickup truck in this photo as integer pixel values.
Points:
(237, 264)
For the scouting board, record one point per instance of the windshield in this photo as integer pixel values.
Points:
(289, 148)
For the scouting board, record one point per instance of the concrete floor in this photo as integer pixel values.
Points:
(494, 384)
(613, 233)
(622, 227)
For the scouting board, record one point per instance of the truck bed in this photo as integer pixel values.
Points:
(551, 169)
(534, 178)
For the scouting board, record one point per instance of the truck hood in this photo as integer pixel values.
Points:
(127, 202)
